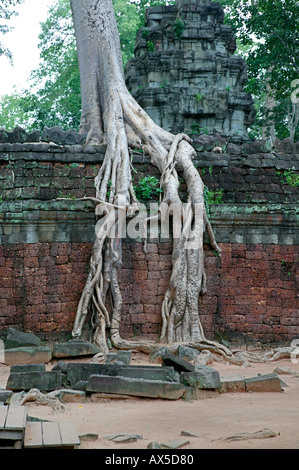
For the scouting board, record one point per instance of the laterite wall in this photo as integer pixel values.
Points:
(45, 244)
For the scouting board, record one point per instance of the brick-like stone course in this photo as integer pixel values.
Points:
(45, 245)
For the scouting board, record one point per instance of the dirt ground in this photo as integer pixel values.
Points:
(210, 419)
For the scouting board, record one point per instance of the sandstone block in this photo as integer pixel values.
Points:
(135, 387)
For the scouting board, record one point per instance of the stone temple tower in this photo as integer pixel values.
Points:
(184, 72)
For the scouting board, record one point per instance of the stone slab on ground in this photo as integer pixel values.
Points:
(121, 356)
(74, 348)
(123, 438)
(175, 444)
(72, 396)
(27, 355)
(187, 353)
(177, 363)
(5, 396)
(78, 373)
(263, 383)
(17, 339)
(28, 368)
(232, 383)
(204, 377)
(135, 387)
(44, 381)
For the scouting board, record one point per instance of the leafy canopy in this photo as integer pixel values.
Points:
(6, 12)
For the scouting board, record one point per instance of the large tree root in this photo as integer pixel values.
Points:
(110, 115)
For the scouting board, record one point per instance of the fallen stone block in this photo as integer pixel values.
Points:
(187, 353)
(156, 356)
(27, 355)
(135, 387)
(72, 396)
(203, 394)
(5, 396)
(203, 377)
(263, 383)
(177, 363)
(121, 356)
(78, 373)
(62, 366)
(123, 438)
(286, 371)
(175, 444)
(17, 339)
(75, 348)
(28, 368)
(188, 433)
(204, 358)
(232, 384)
(154, 445)
(88, 437)
(43, 381)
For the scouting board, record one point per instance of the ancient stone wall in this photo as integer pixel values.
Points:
(45, 243)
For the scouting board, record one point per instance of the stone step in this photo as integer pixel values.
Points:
(135, 387)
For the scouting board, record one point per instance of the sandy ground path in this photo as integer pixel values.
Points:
(210, 419)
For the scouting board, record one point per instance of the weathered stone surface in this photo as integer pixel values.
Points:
(177, 363)
(176, 82)
(78, 373)
(5, 396)
(43, 381)
(121, 356)
(74, 348)
(72, 396)
(16, 339)
(27, 355)
(188, 433)
(28, 368)
(135, 387)
(123, 438)
(203, 377)
(62, 366)
(175, 444)
(187, 353)
(154, 445)
(60, 137)
(263, 383)
(231, 384)
(204, 358)
(156, 356)
(18, 135)
(88, 437)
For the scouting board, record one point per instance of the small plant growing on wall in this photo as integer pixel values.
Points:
(212, 197)
(150, 46)
(178, 27)
(289, 176)
(147, 188)
(198, 97)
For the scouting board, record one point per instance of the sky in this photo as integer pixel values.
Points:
(22, 42)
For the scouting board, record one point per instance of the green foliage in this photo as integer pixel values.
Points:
(289, 176)
(198, 97)
(151, 46)
(147, 188)
(178, 27)
(6, 12)
(212, 197)
(268, 38)
(54, 95)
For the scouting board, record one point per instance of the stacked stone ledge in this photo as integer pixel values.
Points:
(189, 78)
